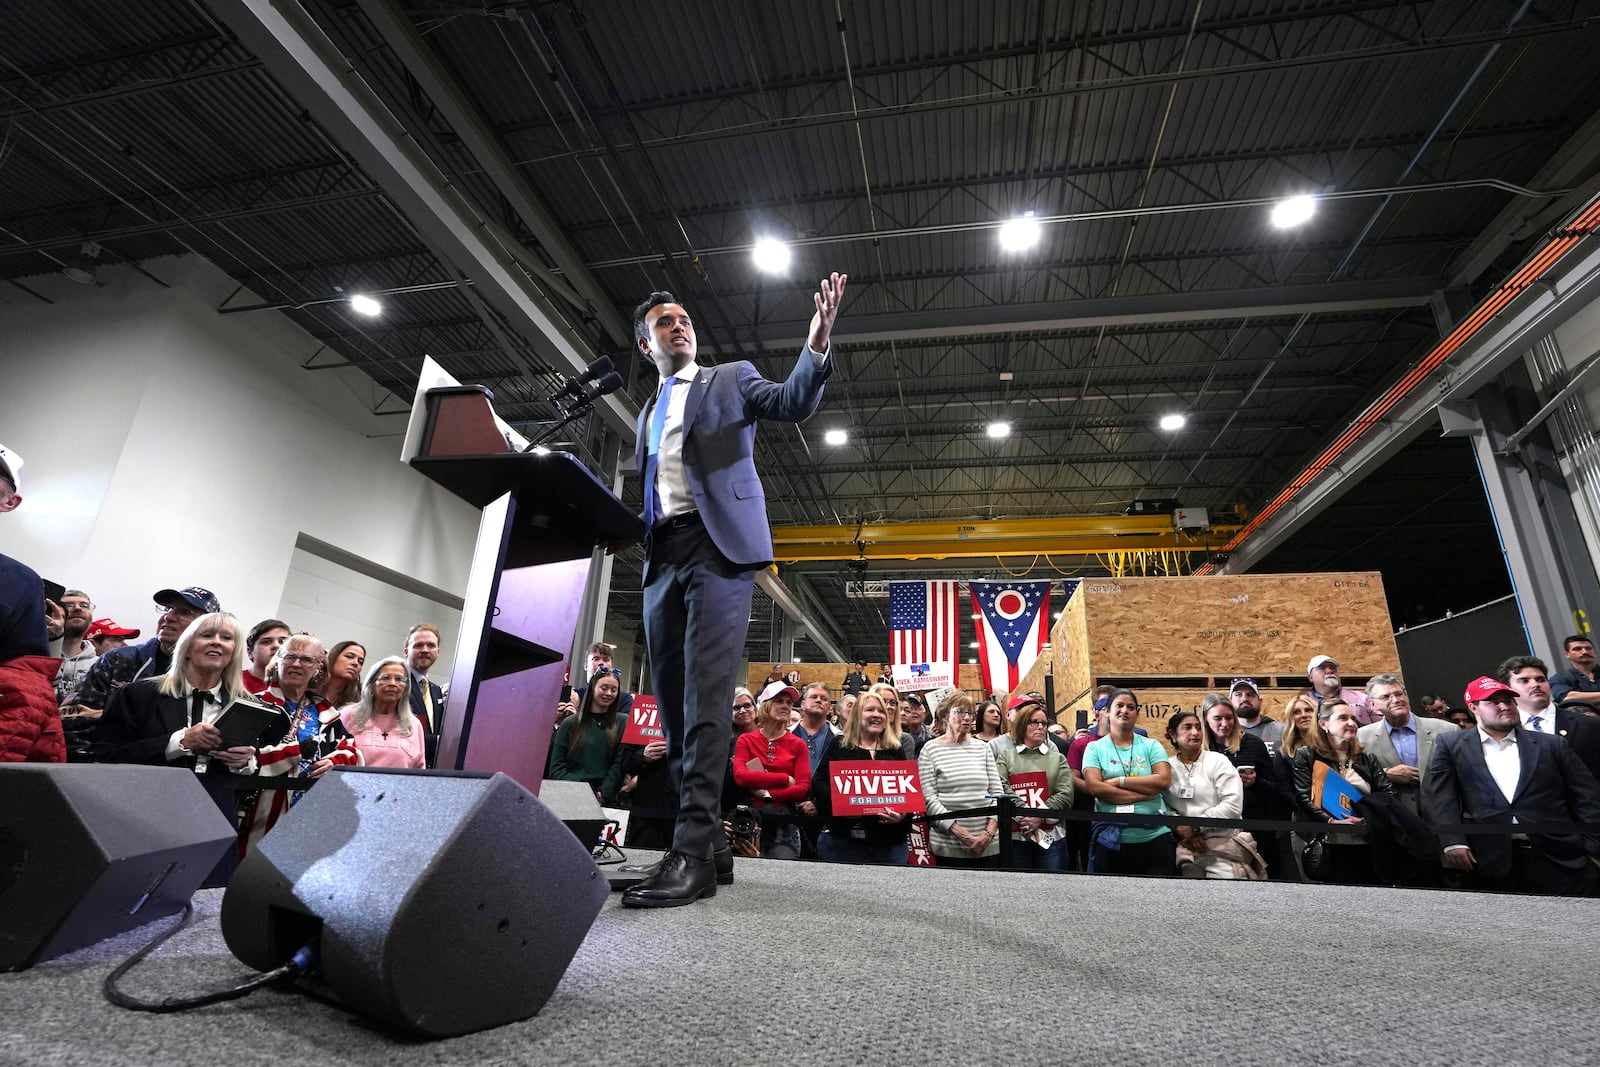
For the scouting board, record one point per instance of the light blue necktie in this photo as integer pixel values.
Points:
(658, 423)
(1538, 726)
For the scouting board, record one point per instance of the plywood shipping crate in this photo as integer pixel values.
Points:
(1172, 640)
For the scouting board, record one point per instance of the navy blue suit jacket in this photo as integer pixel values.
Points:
(1553, 787)
(719, 434)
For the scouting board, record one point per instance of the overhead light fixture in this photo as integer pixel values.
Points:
(83, 268)
(365, 305)
(1020, 233)
(998, 429)
(770, 255)
(1173, 422)
(835, 437)
(1292, 211)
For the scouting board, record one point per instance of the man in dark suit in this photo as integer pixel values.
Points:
(1529, 678)
(707, 536)
(1500, 773)
(427, 699)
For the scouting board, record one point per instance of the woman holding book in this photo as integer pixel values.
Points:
(381, 724)
(315, 742)
(1332, 751)
(852, 837)
(170, 720)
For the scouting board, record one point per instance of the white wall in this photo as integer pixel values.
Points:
(168, 445)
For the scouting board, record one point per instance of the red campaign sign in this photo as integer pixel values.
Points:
(918, 854)
(1031, 788)
(866, 787)
(644, 722)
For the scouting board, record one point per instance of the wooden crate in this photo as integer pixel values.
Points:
(1172, 640)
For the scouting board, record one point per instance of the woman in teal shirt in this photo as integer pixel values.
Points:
(1128, 773)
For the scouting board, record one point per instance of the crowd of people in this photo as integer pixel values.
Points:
(94, 694)
(1347, 785)
(1431, 795)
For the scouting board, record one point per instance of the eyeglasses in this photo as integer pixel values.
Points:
(609, 670)
(73, 605)
(744, 707)
(964, 715)
(182, 611)
(1038, 722)
(295, 657)
(390, 679)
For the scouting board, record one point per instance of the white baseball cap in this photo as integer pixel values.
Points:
(13, 465)
(1317, 661)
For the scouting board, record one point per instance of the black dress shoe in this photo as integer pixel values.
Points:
(722, 858)
(681, 880)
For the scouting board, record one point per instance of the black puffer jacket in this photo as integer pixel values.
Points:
(1305, 761)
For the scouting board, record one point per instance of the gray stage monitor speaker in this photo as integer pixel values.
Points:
(574, 803)
(443, 901)
(88, 851)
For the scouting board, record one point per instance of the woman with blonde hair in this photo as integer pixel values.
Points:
(1253, 760)
(169, 720)
(853, 837)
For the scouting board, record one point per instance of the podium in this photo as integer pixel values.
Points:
(543, 517)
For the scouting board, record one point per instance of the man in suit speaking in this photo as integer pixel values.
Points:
(1503, 774)
(706, 537)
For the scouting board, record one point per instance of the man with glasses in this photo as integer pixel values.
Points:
(1401, 741)
(77, 654)
(115, 669)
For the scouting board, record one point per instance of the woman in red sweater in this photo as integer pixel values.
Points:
(773, 766)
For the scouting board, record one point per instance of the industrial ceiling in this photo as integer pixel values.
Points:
(511, 178)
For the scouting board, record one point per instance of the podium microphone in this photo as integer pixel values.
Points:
(574, 386)
(608, 384)
(583, 397)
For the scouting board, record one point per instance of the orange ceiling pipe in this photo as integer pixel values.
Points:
(1492, 305)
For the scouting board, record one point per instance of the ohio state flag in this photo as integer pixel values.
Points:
(1013, 626)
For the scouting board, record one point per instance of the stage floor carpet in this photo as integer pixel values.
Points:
(813, 963)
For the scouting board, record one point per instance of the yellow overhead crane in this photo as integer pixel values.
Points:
(1131, 542)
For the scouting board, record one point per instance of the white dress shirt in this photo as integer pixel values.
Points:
(1547, 720)
(209, 712)
(1505, 762)
(672, 481)
(1505, 767)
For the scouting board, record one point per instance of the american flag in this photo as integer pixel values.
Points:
(1014, 624)
(924, 622)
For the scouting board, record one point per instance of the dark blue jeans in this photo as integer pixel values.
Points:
(1027, 856)
(842, 848)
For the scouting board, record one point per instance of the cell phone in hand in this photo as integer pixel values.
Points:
(566, 694)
